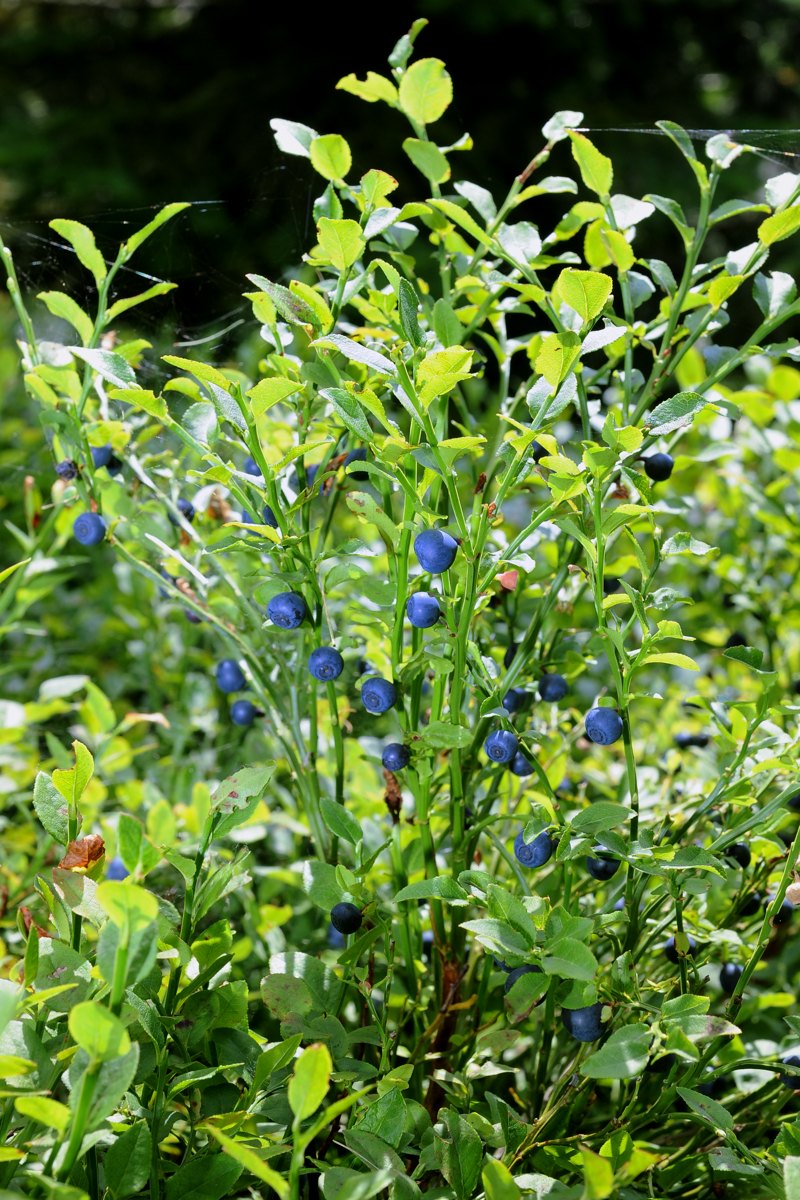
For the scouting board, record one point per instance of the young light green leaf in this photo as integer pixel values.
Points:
(51, 808)
(596, 170)
(108, 365)
(310, 1080)
(148, 402)
(428, 159)
(341, 823)
(341, 241)
(584, 291)
(250, 1160)
(557, 356)
(121, 306)
(349, 412)
(97, 1031)
(374, 87)
(166, 214)
(356, 352)
(268, 392)
(331, 157)
(290, 306)
(441, 370)
(779, 226)
(63, 306)
(426, 91)
(82, 241)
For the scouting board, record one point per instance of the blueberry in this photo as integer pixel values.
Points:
(514, 699)
(192, 617)
(658, 467)
(267, 517)
(325, 663)
(603, 726)
(356, 456)
(539, 451)
(103, 456)
(229, 676)
(251, 467)
(501, 745)
(378, 695)
(602, 865)
(783, 914)
(521, 765)
(671, 950)
(750, 905)
(729, 975)
(553, 688)
(794, 802)
(345, 917)
(535, 853)
(287, 610)
(517, 973)
(395, 756)
(336, 940)
(67, 470)
(243, 712)
(739, 852)
(684, 740)
(436, 550)
(791, 1081)
(583, 1023)
(185, 508)
(422, 610)
(735, 639)
(311, 474)
(611, 584)
(508, 657)
(117, 870)
(89, 529)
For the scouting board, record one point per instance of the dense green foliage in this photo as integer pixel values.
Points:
(619, 601)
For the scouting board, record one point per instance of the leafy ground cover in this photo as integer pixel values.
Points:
(400, 721)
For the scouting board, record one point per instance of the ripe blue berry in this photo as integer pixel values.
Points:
(436, 550)
(658, 467)
(521, 765)
(325, 663)
(89, 529)
(685, 740)
(395, 756)
(791, 1081)
(539, 451)
(671, 950)
(103, 456)
(345, 917)
(739, 853)
(288, 610)
(251, 467)
(517, 973)
(243, 712)
(783, 914)
(356, 456)
(117, 870)
(535, 853)
(501, 745)
(602, 865)
(508, 657)
(336, 940)
(267, 518)
(185, 508)
(729, 975)
(583, 1023)
(422, 610)
(514, 699)
(229, 676)
(553, 688)
(603, 726)
(67, 470)
(378, 695)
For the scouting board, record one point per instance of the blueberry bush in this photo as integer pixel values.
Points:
(399, 752)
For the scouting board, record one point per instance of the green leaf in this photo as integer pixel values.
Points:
(166, 214)
(791, 1177)
(426, 91)
(369, 512)
(584, 291)
(127, 1161)
(428, 159)
(444, 887)
(293, 138)
(441, 370)
(310, 1080)
(330, 157)
(674, 413)
(779, 226)
(408, 303)
(569, 959)
(446, 325)
(97, 1031)
(72, 783)
(290, 306)
(82, 241)
(121, 306)
(341, 242)
(251, 1161)
(749, 655)
(561, 122)
(596, 170)
(286, 996)
(341, 823)
(623, 1056)
(108, 365)
(685, 543)
(128, 906)
(374, 87)
(50, 1113)
(460, 1154)
(207, 1177)
(599, 816)
(236, 798)
(356, 352)
(459, 216)
(557, 356)
(376, 186)
(148, 402)
(63, 306)
(349, 412)
(710, 1111)
(51, 808)
(673, 660)
(444, 736)
(598, 1176)
(268, 392)
(498, 1182)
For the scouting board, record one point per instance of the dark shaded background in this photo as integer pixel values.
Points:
(106, 108)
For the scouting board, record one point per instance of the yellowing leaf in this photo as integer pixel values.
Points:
(722, 287)
(779, 226)
(596, 170)
(557, 356)
(374, 87)
(426, 90)
(441, 370)
(268, 392)
(674, 660)
(584, 291)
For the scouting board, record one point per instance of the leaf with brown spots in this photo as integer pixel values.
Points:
(83, 853)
